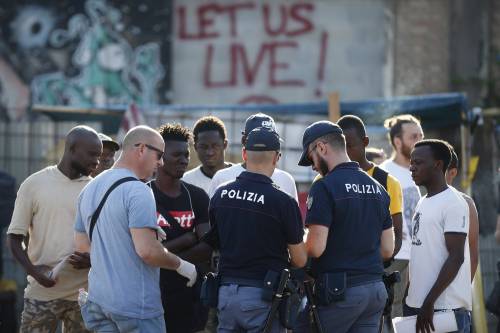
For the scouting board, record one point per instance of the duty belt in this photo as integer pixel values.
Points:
(242, 282)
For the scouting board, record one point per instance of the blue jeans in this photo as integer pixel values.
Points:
(461, 315)
(359, 312)
(98, 320)
(242, 309)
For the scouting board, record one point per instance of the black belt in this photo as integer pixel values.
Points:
(242, 282)
(356, 281)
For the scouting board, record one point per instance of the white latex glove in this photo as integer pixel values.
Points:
(188, 270)
(161, 235)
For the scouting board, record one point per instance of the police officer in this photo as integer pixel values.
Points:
(257, 228)
(350, 232)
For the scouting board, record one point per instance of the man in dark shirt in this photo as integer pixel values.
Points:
(107, 158)
(182, 211)
(350, 233)
(257, 228)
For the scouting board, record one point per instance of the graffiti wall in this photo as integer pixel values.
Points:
(97, 52)
(240, 51)
(83, 53)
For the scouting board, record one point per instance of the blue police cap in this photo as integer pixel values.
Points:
(263, 139)
(314, 131)
(259, 120)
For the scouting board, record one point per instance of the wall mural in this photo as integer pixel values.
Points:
(97, 52)
(85, 53)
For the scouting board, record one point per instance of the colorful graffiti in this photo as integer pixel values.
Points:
(89, 53)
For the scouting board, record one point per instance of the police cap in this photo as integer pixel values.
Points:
(314, 131)
(263, 139)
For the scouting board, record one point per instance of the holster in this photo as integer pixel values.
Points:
(330, 287)
(209, 294)
(290, 305)
(269, 286)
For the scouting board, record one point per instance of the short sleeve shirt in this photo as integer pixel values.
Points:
(282, 179)
(355, 209)
(197, 177)
(119, 280)
(411, 195)
(45, 209)
(178, 216)
(394, 191)
(444, 212)
(252, 224)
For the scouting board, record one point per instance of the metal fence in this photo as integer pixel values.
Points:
(28, 146)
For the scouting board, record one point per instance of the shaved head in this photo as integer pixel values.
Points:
(80, 134)
(81, 151)
(140, 134)
(263, 162)
(260, 157)
(142, 151)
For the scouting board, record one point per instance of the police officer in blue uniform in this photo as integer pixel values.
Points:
(350, 233)
(258, 230)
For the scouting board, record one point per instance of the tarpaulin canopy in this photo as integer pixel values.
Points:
(435, 110)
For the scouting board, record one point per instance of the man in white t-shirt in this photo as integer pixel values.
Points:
(404, 132)
(440, 261)
(210, 143)
(281, 178)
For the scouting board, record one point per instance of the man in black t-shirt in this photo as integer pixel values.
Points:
(182, 211)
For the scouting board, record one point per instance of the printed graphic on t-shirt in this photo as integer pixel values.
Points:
(184, 219)
(411, 196)
(162, 221)
(416, 226)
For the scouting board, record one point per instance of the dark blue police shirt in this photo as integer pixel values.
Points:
(252, 224)
(355, 208)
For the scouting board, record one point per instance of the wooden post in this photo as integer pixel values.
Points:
(333, 106)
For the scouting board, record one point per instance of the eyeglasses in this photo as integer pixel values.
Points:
(159, 152)
(310, 152)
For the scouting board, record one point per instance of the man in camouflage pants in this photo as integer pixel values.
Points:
(45, 209)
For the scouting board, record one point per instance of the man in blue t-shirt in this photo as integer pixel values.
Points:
(257, 228)
(124, 292)
(350, 233)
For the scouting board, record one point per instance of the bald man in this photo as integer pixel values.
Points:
(126, 251)
(45, 210)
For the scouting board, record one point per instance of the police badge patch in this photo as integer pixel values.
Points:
(309, 202)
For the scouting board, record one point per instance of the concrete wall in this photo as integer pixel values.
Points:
(421, 46)
(279, 51)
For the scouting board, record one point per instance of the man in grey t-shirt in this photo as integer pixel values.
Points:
(124, 289)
